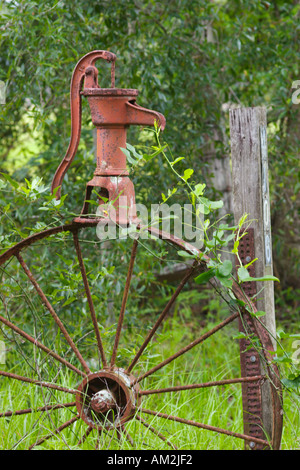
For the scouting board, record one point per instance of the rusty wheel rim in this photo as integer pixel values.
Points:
(109, 398)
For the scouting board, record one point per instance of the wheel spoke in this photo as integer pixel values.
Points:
(57, 430)
(157, 433)
(205, 426)
(37, 382)
(124, 301)
(52, 312)
(89, 298)
(40, 409)
(218, 383)
(188, 347)
(40, 345)
(162, 316)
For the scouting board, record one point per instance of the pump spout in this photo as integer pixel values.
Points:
(137, 115)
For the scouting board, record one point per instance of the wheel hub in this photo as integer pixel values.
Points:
(103, 401)
(106, 399)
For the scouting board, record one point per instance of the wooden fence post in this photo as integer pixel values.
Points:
(248, 133)
(250, 187)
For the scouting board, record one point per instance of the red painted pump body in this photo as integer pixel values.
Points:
(113, 110)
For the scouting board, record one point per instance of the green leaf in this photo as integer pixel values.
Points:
(240, 335)
(251, 262)
(148, 157)
(10, 180)
(235, 247)
(69, 301)
(213, 205)
(91, 201)
(187, 174)
(292, 383)
(225, 269)
(223, 273)
(281, 334)
(264, 278)
(225, 281)
(245, 277)
(184, 254)
(131, 154)
(199, 189)
(176, 160)
(171, 192)
(206, 276)
(258, 314)
(282, 359)
(243, 274)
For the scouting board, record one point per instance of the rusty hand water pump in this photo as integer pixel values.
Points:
(113, 110)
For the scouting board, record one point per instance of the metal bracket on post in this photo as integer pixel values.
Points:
(250, 361)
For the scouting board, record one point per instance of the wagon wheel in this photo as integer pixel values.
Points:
(145, 397)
